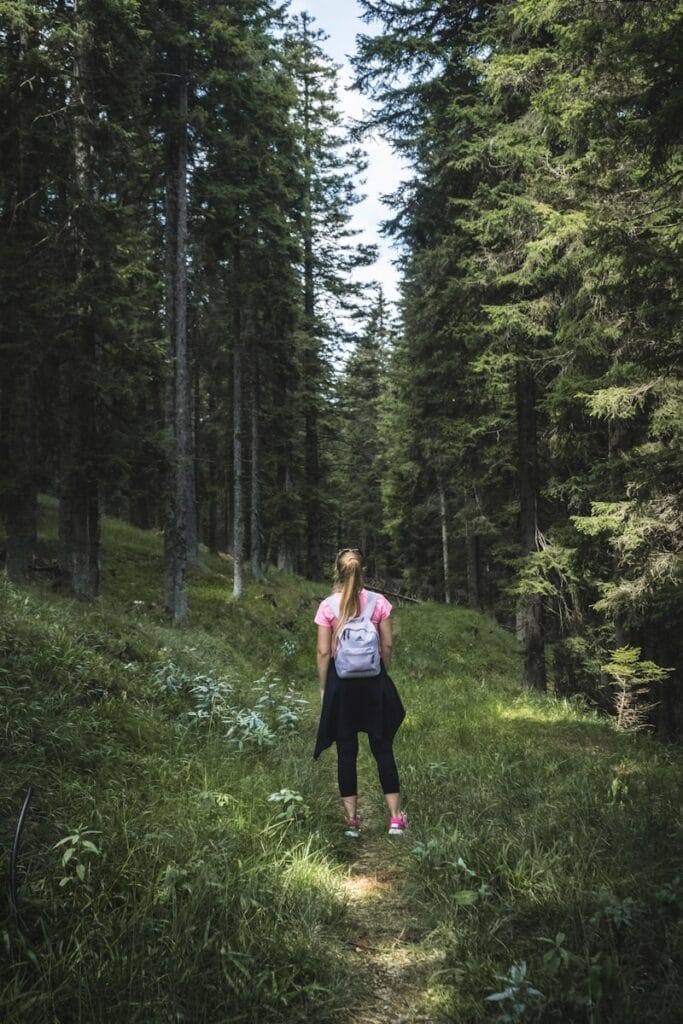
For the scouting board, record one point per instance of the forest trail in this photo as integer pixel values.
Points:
(391, 946)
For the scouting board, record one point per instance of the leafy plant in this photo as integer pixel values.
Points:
(618, 912)
(521, 998)
(293, 805)
(76, 856)
(432, 853)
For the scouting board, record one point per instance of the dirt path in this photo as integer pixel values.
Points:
(387, 939)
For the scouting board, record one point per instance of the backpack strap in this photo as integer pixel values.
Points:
(334, 602)
(370, 606)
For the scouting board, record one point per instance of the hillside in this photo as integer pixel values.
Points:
(183, 861)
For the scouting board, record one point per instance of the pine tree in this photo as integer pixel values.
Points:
(331, 251)
(357, 453)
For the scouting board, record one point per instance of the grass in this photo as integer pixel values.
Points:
(200, 874)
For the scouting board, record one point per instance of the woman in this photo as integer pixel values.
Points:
(368, 704)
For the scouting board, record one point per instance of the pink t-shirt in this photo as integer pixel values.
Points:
(382, 610)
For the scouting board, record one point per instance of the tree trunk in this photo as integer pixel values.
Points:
(312, 500)
(238, 440)
(285, 554)
(529, 606)
(178, 385)
(212, 475)
(18, 500)
(311, 367)
(194, 477)
(444, 539)
(79, 506)
(227, 522)
(473, 557)
(255, 522)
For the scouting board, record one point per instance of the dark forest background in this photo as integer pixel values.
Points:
(182, 345)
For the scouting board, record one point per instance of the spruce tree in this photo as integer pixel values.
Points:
(331, 251)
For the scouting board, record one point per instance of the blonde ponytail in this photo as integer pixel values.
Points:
(348, 573)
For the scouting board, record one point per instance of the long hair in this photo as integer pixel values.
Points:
(348, 574)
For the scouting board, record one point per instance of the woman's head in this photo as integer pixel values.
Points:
(349, 562)
(348, 577)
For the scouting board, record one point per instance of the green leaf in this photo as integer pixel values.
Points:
(466, 897)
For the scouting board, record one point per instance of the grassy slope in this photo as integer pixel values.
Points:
(203, 900)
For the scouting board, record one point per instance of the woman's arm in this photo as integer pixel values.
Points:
(324, 654)
(386, 641)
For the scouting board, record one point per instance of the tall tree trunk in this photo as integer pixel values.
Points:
(529, 606)
(18, 497)
(312, 464)
(662, 644)
(285, 554)
(79, 506)
(616, 436)
(255, 521)
(178, 385)
(238, 439)
(444, 538)
(473, 558)
(311, 363)
(212, 517)
(227, 522)
(194, 477)
(473, 552)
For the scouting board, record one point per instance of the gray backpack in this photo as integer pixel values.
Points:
(357, 652)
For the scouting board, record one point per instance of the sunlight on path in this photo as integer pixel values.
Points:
(387, 939)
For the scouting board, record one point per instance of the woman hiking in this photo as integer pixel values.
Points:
(356, 691)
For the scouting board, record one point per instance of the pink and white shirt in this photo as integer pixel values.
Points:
(382, 610)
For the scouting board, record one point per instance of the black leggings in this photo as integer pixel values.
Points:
(347, 751)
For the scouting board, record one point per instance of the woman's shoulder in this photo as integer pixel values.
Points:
(382, 605)
(325, 616)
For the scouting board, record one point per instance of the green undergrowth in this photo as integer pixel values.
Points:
(181, 859)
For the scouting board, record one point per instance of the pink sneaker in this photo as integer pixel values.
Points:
(352, 828)
(397, 826)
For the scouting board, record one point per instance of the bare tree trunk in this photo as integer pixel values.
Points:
(193, 474)
(79, 506)
(473, 556)
(255, 522)
(227, 522)
(212, 521)
(178, 384)
(285, 555)
(529, 606)
(444, 539)
(311, 364)
(18, 497)
(238, 440)
(312, 498)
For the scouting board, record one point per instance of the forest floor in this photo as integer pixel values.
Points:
(397, 954)
(184, 858)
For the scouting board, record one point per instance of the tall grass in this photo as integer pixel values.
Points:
(541, 837)
(182, 858)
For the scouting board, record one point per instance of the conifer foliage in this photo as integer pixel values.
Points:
(537, 380)
(175, 189)
(176, 289)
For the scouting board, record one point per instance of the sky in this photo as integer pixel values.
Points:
(340, 19)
